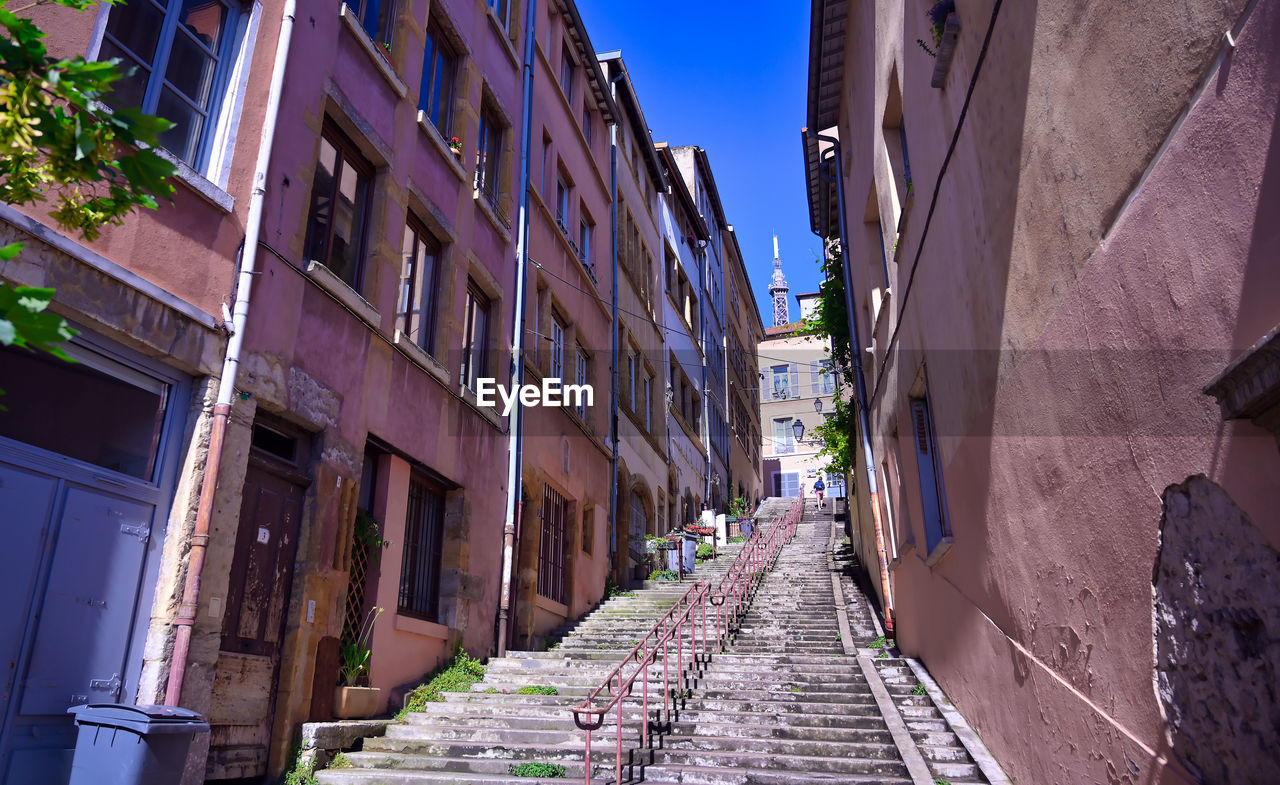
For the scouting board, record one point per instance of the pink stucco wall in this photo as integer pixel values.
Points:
(1038, 622)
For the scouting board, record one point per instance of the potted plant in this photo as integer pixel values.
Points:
(354, 698)
(937, 14)
(455, 145)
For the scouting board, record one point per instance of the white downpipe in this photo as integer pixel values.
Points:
(185, 618)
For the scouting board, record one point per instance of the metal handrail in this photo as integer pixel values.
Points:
(734, 590)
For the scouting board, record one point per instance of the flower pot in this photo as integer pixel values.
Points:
(354, 703)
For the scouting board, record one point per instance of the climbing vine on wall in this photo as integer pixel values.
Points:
(836, 434)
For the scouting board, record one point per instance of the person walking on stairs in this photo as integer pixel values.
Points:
(818, 488)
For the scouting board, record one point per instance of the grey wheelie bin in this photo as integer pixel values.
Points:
(122, 744)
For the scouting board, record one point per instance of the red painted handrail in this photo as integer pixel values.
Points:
(689, 613)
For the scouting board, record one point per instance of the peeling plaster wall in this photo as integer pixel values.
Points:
(1217, 637)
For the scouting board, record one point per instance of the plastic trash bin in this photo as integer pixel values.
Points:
(690, 551)
(121, 744)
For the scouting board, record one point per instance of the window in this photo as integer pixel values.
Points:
(631, 380)
(585, 230)
(546, 156)
(781, 381)
(786, 484)
(932, 492)
(423, 538)
(555, 516)
(416, 300)
(648, 401)
(783, 437)
(822, 377)
(377, 17)
(588, 531)
(562, 203)
(580, 379)
(557, 347)
(339, 207)
(566, 73)
(180, 52)
(489, 154)
(502, 10)
(475, 335)
(588, 129)
(439, 73)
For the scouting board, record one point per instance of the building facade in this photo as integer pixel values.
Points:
(796, 387)
(357, 290)
(695, 168)
(642, 428)
(684, 236)
(742, 393)
(1063, 285)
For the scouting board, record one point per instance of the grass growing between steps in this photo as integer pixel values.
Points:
(302, 773)
(458, 676)
(537, 689)
(536, 770)
(340, 761)
(920, 690)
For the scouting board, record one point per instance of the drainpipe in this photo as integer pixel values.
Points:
(860, 384)
(613, 366)
(515, 426)
(186, 617)
(704, 339)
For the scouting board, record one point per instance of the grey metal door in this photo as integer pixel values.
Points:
(81, 498)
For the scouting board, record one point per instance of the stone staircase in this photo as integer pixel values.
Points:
(784, 705)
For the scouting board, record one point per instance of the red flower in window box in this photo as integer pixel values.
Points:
(455, 144)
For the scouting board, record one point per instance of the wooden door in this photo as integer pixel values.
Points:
(253, 627)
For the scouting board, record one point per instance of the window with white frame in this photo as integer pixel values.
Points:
(475, 335)
(781, 381)
(585, 229)
(581, 360)
(557, 347)
(783, 437)
(648, 401)
(489, 154)
(562, 202)
(933, 498)
(177, 57)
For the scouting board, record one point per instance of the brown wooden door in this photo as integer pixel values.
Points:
(253, 625)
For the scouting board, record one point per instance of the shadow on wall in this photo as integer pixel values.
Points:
(1216, 587)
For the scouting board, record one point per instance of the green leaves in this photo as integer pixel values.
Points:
(58, 141)
(25, 321)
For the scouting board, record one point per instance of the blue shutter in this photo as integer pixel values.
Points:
(930, 473)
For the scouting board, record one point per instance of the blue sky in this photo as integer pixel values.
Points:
(731, 78)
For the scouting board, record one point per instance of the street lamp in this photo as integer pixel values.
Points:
(797, 427)
(817, 405)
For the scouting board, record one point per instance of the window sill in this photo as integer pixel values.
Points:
(881, 319)
(420, 357)
(486, 412)
(941, 549)
(508, 48)
(427, 629)
(433, 134)
(324, 278)
(504, 229)
(548, 604)
(203, 186)
(371, 48)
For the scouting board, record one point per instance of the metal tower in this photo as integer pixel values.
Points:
(778, 289)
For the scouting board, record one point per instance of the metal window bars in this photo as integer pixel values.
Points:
(685, 625)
